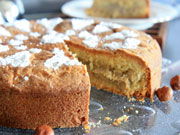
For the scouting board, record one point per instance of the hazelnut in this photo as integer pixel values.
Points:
(164, 94)
(44, 130)
(175, 82)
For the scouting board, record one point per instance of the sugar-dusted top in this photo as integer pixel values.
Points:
(79, 24)
(104, 35)
(36, 37)
(24, 42)
(19, 59)
(60, 59)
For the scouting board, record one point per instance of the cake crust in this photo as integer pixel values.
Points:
(59, 107)
(42, 82)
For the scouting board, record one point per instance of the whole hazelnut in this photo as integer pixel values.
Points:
(44, 130)
(164, 94)
(175, 82)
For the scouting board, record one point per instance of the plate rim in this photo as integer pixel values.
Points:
(174, 14)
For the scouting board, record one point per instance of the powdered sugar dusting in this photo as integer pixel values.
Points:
(129, 33)
(89, 39)
(113, 45)
(117, 35)
(19, 59)
(21, 37)
(79, 24)
(35, 50)
(70, 32)
(3, 48)
(54, 37)
(34, 34)
(4, 32)
(0, 41)
(129, 43)
(60, 59)
(15, 42)
(20, 47)
(100, 29)
(86, 35)
(23, 25)
(90, 43)
(2, 61)
(111, 25)
(49, 23)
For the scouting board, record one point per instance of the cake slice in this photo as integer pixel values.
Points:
(41, 81)
(118, 59)
(120, 9)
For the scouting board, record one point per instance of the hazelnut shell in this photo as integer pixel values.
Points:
(175, 82)
(164, 94)
(44, 130)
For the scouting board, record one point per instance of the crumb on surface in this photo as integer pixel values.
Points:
(87, 131)
(87, 127)
(132, 99)
(107, 118)
(115, 124)
(131, 108)
(119, 120)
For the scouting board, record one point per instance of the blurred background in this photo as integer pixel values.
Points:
(42, 6)
(54, 6)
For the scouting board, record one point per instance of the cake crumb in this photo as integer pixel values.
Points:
(87, 127)
(125, 118)
(87, 131)
(119, 120)
(132, 99)
(115, 124)
(108, 118)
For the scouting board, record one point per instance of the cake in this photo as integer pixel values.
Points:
(41, 81)
(120, 9)
(118, 59)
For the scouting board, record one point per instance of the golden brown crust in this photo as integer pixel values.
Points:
(60, 106)
(56, 97)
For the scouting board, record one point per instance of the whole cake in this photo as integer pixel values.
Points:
(41, 81)
(120, 9)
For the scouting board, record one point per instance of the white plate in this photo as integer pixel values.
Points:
(160, 13)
